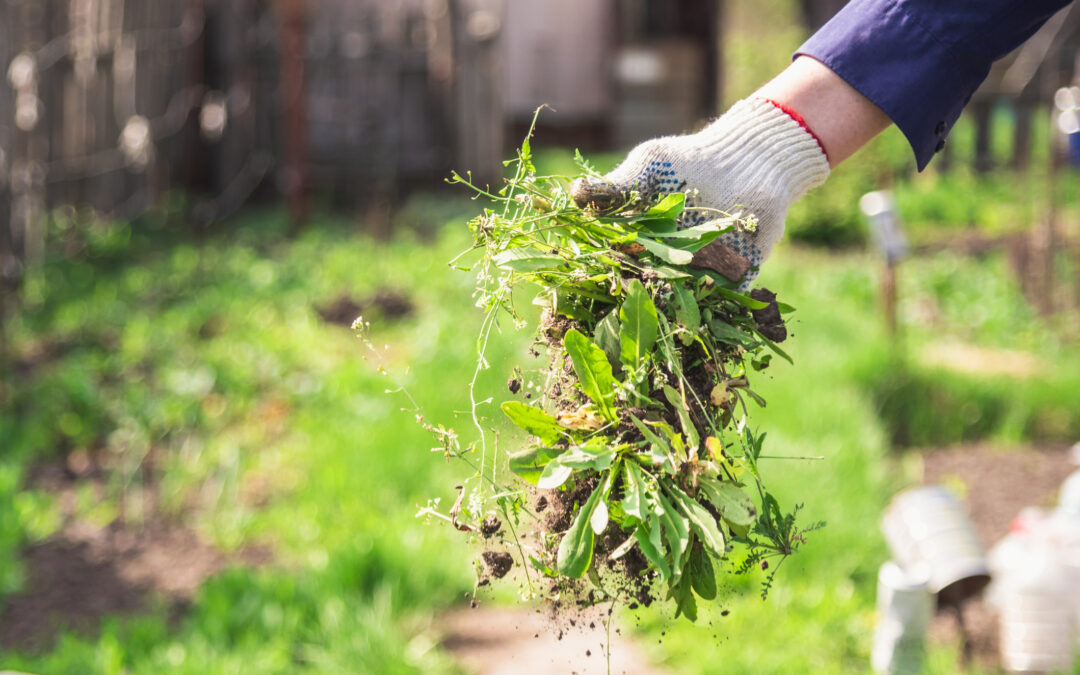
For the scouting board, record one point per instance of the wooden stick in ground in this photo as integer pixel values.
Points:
(294, 108)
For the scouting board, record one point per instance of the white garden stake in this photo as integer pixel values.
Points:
(904, 607)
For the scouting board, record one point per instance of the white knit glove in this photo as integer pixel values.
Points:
(756, 159)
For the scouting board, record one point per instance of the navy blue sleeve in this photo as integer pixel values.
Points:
(921, 60)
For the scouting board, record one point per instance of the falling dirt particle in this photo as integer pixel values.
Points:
(514, 385)
(725, 612)
(592, 624)
(498, 563)
(490, 526)
(633, 605)
(541, 504)
(588, 652)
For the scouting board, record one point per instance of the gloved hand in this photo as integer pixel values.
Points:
(757, 159)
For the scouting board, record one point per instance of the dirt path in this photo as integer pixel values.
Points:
(85, 571)
(511, 641)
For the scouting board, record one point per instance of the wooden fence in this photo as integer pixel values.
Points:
(112, 103)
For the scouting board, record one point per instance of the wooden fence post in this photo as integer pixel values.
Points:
(294, 108)
(1021, 151)
(982, 111)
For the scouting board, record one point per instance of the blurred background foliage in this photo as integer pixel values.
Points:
(206, 376)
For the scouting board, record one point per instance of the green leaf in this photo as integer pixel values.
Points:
(544, 569)
(661, 458)
(775, 348)
(526, 148)
(638, 327)
(656, 226)
(672, 358)
(581, 457)
(659, 450)
(725, 332)
(529, 464)
(607, 335)
(648, 539)
(702, 575)
(584, 164)
(576, 548)
(701, 521)
(593, 371)
(687, 313)
(656, 530)
(696, 232)
(599, 520)
(553, 475)
(676, 530)
(744, 300)
(669, 254)
(567, 304)
(684, 600)
(679, 403)
(634, 500)
(734, 505)
(668, 273)
(534, 420)
(648, 433)
(668, 208)
(527, 260)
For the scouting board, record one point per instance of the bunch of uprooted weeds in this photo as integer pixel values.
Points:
(641, 454)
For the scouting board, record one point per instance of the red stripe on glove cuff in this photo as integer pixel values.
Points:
(802, 123)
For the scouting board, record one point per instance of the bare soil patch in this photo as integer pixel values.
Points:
(997, 483)
(502, 641)
(85, 572)
(386, 303)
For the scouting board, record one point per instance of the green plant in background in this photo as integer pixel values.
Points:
(642, 427)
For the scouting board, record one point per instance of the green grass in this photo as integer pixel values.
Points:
(269, 397)
(211, 356)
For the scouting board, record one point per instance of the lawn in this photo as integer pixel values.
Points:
(203, 373)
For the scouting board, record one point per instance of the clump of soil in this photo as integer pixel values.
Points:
(490, 526)
(498, 563)
(768, 319)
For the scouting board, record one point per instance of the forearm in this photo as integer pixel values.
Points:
(843, 119)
